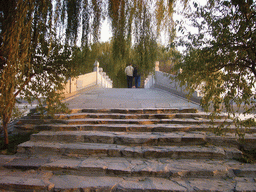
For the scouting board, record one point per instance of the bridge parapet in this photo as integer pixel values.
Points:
(97, 77)
(166, 81)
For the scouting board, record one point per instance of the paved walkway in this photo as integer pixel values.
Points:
(96, 97)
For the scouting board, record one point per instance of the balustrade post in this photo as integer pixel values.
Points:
(96, 68)
(157, 66)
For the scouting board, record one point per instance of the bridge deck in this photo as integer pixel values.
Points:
(96, 97)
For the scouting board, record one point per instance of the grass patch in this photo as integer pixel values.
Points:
(249, 122)
(14, 141)
(249, 156)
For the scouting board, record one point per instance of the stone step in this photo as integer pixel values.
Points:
(129, 128)
(120, 166)
(114, 150)
(130, 116)
(136, 110)
(47, 181)
(145, 121)
(146, 139)
(129, 150)
(124, 121)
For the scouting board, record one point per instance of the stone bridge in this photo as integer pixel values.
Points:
(92, 91)
(122, 140)
(103, 98)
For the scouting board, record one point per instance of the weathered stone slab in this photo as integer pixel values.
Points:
(148, 184)
(132, 127)
(70, 182)
(245, 171)
(140, 110)
(143, 121)
(245, 186)
(162, 167)
(6, 158)
(26, 163)
(130, 150)
(104, 150)
(63, 164)
(131, 174)
(207, 184)
(19, 183)
(150, 138)
(146, 138)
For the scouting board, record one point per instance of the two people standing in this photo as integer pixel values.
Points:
(130, 73)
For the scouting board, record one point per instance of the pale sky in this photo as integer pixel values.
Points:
(105, 32)
(106, 29)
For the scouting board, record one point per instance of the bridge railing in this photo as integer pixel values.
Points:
(165, 81)
(97, 77)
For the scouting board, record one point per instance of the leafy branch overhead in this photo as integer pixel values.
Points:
(220, 60)
(39, 42)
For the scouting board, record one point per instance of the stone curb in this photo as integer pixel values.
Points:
(124, 121)
(70, 183)
(162, 167)
(129, 128)
(147, 138)
(114, 150)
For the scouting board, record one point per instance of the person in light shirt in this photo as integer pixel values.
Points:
(129, 74)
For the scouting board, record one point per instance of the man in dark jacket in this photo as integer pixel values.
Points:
(136, 76)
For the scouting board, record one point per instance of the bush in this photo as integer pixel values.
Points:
(14, 141)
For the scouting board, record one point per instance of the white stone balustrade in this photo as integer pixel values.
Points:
(164, 81)
(149, 82)
(97, 77)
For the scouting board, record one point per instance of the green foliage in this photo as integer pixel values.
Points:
(34, 63)
(103, 52)
(145, 49)
(38, 42)
(220, 58)
(250, 122)
(83, 60)
(249, 156)
(135, 32)
(14, 141)
(168, 57)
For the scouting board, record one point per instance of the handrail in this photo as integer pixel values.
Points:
(97, 77)
(165, 81)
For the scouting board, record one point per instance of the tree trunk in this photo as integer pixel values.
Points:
(5, 123)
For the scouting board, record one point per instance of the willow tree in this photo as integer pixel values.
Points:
(38, 37)
(135, 24)
(220, 59)
(33, 61)
(136, 28)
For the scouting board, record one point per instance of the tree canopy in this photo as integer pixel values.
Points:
(40, 41)
(34, 63)
(43, 43)
(220, 59)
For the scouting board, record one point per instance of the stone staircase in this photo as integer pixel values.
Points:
(129, 150)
